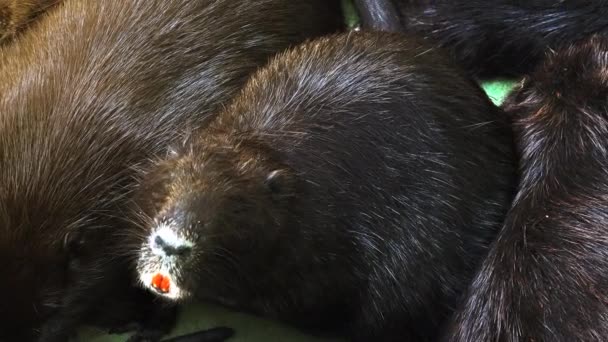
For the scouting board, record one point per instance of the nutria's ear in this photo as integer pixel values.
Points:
(278, 182)
(73, 241)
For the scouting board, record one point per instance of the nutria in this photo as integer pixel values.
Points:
(545, 278)
(492, 38)
(15, 15)
(89, 96)
(351, 188)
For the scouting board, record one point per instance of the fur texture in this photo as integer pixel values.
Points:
(379, 15)
(545, 278)
(492, 38)
(15, 15)
(353, 187)
(88, 97)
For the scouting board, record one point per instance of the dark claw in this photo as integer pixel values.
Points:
(219, 334)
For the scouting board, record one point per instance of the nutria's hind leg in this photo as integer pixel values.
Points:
(219, 334)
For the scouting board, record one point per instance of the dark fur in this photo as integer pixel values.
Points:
(493, 38)
(393, 173)
(379, 15)
(546, 277)
(15, 15)
(87, 98)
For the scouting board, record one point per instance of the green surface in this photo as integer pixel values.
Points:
(249, 328)
(350, 13)
(498, 90)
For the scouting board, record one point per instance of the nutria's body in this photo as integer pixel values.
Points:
(17, 14)
(352, 186)
(88, 96)
(546, 277)
(493, 38)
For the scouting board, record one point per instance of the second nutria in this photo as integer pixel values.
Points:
(491, 38)
(352, 187)
(546, 276)
(89, 96)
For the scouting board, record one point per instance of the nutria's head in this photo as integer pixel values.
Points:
(208, 209)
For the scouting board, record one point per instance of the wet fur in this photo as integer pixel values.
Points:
(495, 38)
(545, 278)
(89, 96)
(352, 187)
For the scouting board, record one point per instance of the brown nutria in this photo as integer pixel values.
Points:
(88, 97)
(546, 277)
(351, 187)
(491, 38)
(17, 14)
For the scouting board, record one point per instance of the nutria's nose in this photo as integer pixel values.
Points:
(177, 248)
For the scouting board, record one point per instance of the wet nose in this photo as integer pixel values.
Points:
(171, 249)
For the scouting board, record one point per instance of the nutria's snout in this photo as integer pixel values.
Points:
(166, 243)
(164, 257)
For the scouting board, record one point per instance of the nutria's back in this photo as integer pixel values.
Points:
(354, 183)
(492, 38)
(88, 96)
(545, 278)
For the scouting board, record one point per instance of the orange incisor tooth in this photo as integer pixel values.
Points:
(161, 282)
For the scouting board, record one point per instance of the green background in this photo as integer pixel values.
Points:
(250, 328)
